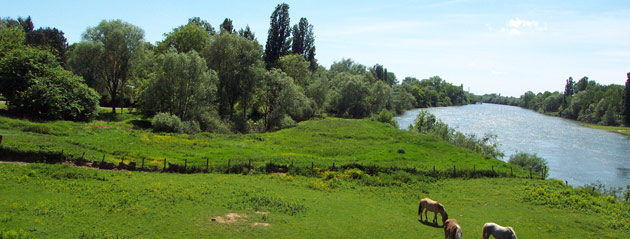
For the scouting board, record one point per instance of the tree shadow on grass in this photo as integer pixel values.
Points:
(429, 223)
(141, 124)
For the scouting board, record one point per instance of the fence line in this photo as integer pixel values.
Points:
(246, 166)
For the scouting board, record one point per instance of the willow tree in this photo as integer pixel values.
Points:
(119, 44)
(238, 64)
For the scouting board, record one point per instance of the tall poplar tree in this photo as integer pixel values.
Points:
(278, 41)
(303, 41)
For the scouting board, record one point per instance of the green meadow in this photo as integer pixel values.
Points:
(64, 201)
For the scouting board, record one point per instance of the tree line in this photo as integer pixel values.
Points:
(210, 80)
(583, 100)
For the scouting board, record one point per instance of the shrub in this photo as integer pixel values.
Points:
(532, 161)
(385, 117)
(40, 129)
(210, 122)
(191, 127)
(165, 122)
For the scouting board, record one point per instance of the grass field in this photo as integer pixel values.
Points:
(62, 201)
(57, 201)
(617, 129)
(319, 141)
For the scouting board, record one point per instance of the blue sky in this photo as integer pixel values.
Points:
(505, 47)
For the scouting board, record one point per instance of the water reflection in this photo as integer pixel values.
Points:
(575, 153)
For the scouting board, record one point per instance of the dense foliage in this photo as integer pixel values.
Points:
(36, 86)
(426, 123)
(532, 161)
(584, 100)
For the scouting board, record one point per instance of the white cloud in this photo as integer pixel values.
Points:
(516, 26)
(516, 23)
(511, 31)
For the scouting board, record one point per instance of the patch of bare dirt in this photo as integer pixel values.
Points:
(263, 213)
(229, 218)
(264, 224)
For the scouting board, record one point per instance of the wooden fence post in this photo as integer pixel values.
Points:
(83, 156)
(511, 175)
(530, 173)
(433, 169)
(312, 165)
(207, 162)
(164, 169)
(250, 165)
(474, 169)
(142, 163)
(333, 168)
(122, 160)
(228, 168)
(0, 139)
(103, 160)
(185, 164)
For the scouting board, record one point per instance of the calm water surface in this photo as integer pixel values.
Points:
(577, 154)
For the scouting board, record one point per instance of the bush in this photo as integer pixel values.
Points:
(191, 127)
(210, 122)
(165, 122)
(532, 161)
(36, 86)
(385, 117)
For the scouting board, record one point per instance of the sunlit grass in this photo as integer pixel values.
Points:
(53, 201)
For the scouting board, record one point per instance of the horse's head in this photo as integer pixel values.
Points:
(443, 212)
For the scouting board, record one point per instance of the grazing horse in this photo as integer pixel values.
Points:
(427, 205)
(497, 231)
(452, 230)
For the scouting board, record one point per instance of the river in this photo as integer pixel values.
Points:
(574, 153)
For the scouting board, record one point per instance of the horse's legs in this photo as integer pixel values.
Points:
(435, 218)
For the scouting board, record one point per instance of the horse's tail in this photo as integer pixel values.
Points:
(458, 235)
(420, 207)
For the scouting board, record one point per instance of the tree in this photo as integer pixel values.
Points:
(279, 97)
(226, 26)
(26, 24)
(297, 68)
(303, 41)
(347, 65)
(52, 39)
(120, 42)
(626, 102)
(182, 85)
(203, 24)
(184, 39)
(278, 42)
(35, 85)
(569, 90)
(527, 100)
(581, 85)
(10, 39)
(238, 64)
(83, 61)
(247, 33)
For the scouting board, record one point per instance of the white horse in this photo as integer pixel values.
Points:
(497, 231)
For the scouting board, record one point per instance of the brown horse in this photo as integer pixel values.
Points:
(427, 204)
(497, 231)
(452, 230)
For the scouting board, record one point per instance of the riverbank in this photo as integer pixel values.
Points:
(616, 129)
